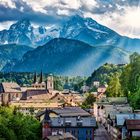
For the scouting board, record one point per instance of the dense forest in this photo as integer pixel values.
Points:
(127, 83)
(16, 126)
(104, 73)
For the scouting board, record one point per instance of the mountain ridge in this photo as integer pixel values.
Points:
(69, 57)
(76, 27)
(11, 53)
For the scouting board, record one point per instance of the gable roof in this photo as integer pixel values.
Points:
(120, 118)
(10, 87)
(133, 124)
(70, 111)
(112, 100)
(117, 100)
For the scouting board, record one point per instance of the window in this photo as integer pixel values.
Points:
(17, 95)
(51, 85)
(73, 132)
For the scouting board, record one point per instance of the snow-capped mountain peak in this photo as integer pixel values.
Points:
(76, 27)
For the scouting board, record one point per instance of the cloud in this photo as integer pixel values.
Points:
(7, 3)
(63, 12)
(126, 23)
(6, 24)
(120, 15)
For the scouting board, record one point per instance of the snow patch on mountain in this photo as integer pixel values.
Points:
(95, 30)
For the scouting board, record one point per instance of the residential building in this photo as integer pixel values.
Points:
(73, 120)
(117, 117)
(73, 99)
(125, 125)
(104, 106)
(85, 88)
(132, 127)
(10, 92)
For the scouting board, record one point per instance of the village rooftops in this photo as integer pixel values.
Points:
(71, 111)
(113, 100)
(133, 124)
(71, 117)
(10, 87)
(120, 118)
(112, 110)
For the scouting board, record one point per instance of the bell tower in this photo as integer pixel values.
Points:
(40, 84)
(50, 83)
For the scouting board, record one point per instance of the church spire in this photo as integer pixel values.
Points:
(35, 78)
(41, 77)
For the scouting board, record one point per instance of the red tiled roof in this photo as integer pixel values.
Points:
(133, 124)
(11, 87)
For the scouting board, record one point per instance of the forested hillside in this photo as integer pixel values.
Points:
(16, 126)
(127, 83)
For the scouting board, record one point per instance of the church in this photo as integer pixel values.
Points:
(11, 91)
(48, 84)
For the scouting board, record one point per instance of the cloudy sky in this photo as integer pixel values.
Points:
(122, 16)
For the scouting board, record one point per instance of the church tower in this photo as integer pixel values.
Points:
(50, 83)
(39, 85)
(35, 78)
(41, 77)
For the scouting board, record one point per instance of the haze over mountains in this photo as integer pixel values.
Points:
(69, 57)
(81, 46)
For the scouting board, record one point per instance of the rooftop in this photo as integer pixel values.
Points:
(133, 124)
(71, 111)
(120, 118)
(113, 100)
(112, 110)
(70, 117)
(11, 87)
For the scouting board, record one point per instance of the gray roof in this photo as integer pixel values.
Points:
(72, 117)
(70, 111)
(120, 118)
(113, 100)
(122, 100)
(113, 110)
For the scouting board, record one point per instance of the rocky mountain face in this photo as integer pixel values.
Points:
(24, 33)
(69, 57)
(76, 27)
(93, 33)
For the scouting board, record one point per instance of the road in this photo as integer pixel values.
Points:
(101, 134)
